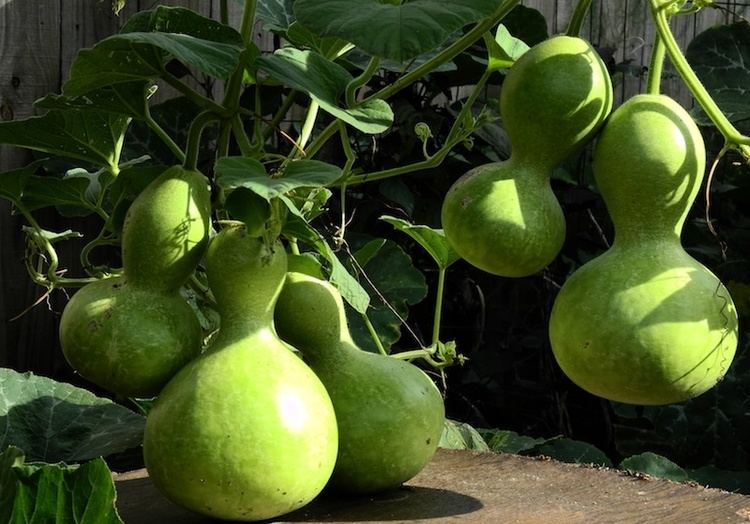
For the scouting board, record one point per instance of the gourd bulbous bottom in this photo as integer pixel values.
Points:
(245, 432)
(503, 218)
(644, 326)
(390, 417)
(127, 339)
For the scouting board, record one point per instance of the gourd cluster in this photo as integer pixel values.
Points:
(644, 323)
(245, 429)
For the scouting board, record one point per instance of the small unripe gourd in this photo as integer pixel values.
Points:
(503, 217)
(390, 414)
(645, 323)
(246, 431)
(132, 333)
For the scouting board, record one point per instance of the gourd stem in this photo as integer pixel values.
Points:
(438, 306)
(579, 15)
(449, 53)
(699, 91)
(164, 137)
(367, 74)
(656, 67)
(194, 139)
(374, 334)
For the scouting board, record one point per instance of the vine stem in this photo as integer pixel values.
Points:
(164, 137)
(194, 138)
(367, 74)
(579, 15)
(731, 134)
(656, 66)
(438, 306)
(449, 53)
(307, 128)
(374, 334)
(455, 136)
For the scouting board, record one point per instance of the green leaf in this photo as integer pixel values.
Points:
(654, 465)
(56, 493)
(396, 280)
(527, 24)
(12, 183)
(351, 290)
(301, 36)
(276, 15)
(90, 136)
(720, 57)
(735, 481)
(397, 32)
(235, 172)
(252, 209)
(575, 451)
(129, 99)
(510, 441)
(166, 19)
(132, 57)
(325, 81)
(504, 50)
(459, 435)
(52, 421)
(432, 240)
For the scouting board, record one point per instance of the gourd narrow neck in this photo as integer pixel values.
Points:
(640, 236)
(536, 164)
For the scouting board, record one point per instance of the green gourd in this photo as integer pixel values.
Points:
(132, 333)
(390, 414)
(246, 431)
(503, 217)
(645, 323)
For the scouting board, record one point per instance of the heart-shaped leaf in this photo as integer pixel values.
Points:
(234, 172)
(397, 32)
(721, 58)
(325, 82)
(52, 421)
(130, 99)
(91, 136)
(165, 19)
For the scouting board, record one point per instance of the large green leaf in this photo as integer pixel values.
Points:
(131, 57)
(12, 183)
(165, 19)
(720, 57)
(388, 275)
(325, 81)
(130, 99)
(398, 32)
(248, 173)
(52, 421)
(90, 136)
(55, 493)
(276, 15)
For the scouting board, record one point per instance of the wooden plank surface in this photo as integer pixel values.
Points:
(464, 486)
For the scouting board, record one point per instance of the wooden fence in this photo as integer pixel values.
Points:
(39, 39)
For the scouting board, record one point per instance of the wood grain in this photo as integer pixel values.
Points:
(463, 486)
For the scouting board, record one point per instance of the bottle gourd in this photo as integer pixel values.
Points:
(390, 415)
(131, 334)
(645, 323)
(503, 217)
(246, 431)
